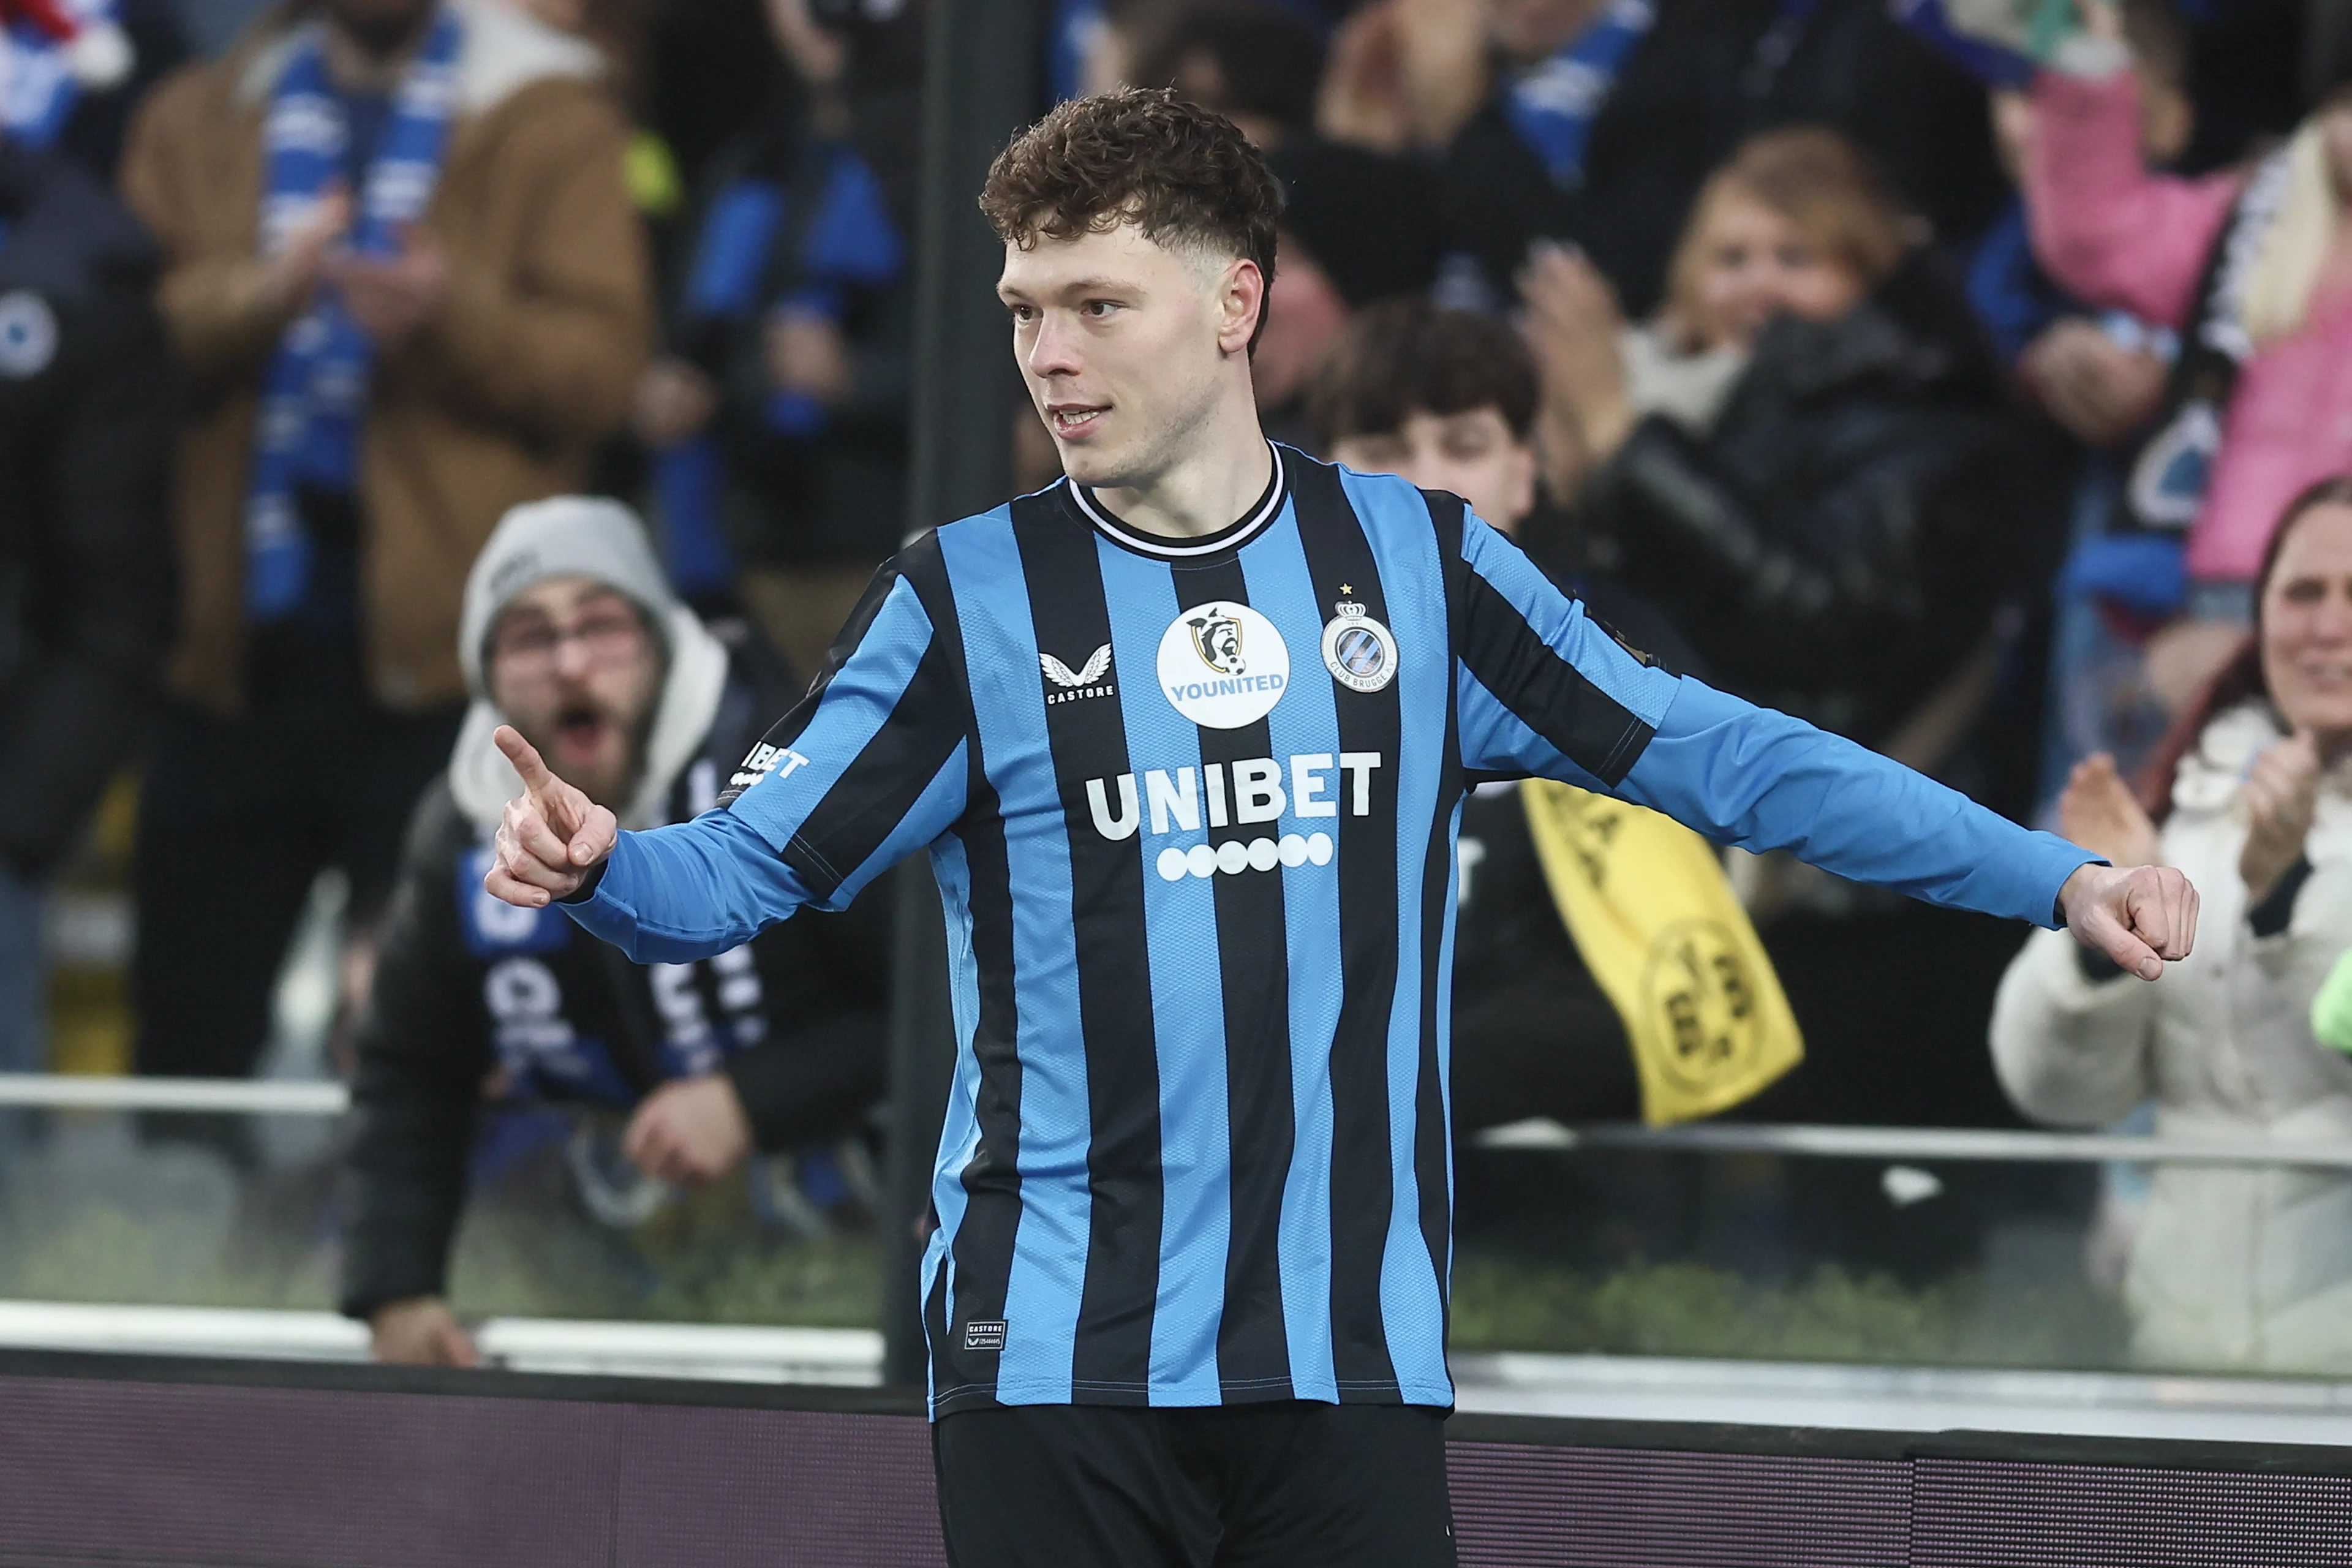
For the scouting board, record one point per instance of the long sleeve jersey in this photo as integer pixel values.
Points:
(1191, 806)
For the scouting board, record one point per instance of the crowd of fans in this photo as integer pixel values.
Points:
(1947, 398)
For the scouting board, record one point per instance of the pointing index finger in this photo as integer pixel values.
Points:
(528, 763)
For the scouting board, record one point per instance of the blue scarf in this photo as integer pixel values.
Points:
(316, 391)
(848, 243)
(1553, 106)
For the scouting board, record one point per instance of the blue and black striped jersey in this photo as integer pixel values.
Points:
(1191, 807)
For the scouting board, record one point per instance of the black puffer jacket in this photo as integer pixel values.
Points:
(475, 997)
(87, 419)
(1841, 541)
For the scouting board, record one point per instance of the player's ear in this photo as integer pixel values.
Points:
(1241, 300)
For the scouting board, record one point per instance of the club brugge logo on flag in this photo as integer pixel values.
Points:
(1359, 652)
(1222, 664)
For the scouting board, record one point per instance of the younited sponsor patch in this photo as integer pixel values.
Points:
(1222, 664)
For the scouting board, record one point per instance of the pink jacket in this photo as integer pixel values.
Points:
(2122, 238)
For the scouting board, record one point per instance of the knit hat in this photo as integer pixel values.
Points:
(584, 536)
(563, 536)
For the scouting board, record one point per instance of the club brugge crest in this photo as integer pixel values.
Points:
(1222, 664)
(1359, 652)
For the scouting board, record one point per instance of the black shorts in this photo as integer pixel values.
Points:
(1297, 1484)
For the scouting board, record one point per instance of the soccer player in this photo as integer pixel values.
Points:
(1185, 736)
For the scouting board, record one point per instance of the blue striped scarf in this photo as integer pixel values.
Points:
(848, 243)
(1553, 106)
(316, 391)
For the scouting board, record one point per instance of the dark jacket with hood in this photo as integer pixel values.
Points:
(478, 1002)
(87, 420)
(1838, 542)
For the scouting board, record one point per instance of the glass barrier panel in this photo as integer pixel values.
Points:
(224, 1210)
(1772, 1256)
(1904, 1249)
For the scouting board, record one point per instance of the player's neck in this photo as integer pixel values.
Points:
(1219, 478)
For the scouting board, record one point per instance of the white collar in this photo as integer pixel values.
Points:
(1231, 537)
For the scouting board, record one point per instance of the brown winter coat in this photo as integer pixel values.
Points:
(496, 401)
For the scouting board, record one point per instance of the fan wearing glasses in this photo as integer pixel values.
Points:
(571, 634)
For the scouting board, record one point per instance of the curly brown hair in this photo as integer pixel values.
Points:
(1181, 173)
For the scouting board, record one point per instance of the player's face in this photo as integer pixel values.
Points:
(1473, 454)
(573, 666)
(1128, 348)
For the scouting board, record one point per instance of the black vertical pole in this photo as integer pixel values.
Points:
(980, 86)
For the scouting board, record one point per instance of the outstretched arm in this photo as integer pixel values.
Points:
(1547, 690)
(1762, 780)
(867, 769)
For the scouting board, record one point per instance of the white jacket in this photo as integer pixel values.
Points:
(2239, 1267)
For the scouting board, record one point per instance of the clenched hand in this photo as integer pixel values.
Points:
(2143, 917)
(551, 836)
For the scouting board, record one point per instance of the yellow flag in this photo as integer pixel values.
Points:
(1646, 901)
